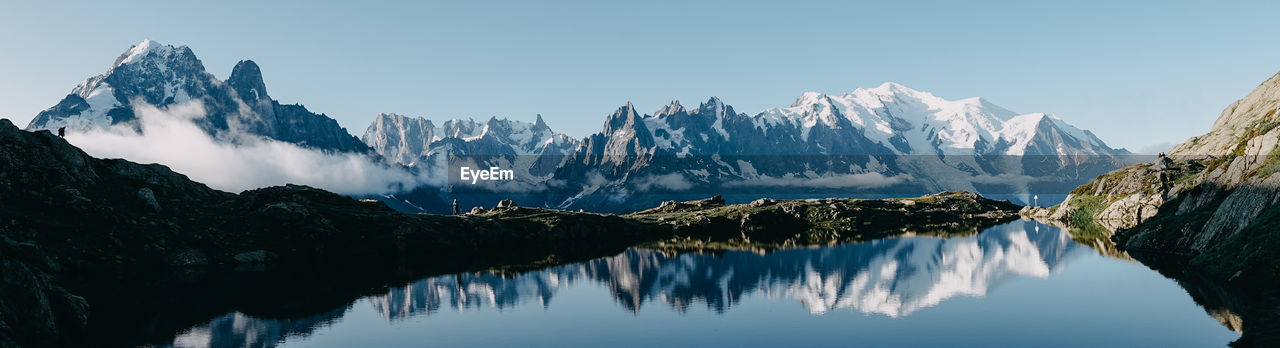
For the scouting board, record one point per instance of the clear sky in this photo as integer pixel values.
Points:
(1135, 73)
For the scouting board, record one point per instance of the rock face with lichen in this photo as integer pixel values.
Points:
(1213, 201)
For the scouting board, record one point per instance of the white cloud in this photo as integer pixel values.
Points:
(1151, 149)
(863, 180)
(170, 137)
(673, 181)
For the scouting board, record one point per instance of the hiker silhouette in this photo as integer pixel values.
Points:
(62, 132)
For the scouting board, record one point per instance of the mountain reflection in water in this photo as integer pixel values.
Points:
(891, 278)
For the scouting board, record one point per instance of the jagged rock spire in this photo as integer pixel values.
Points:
(246, 79)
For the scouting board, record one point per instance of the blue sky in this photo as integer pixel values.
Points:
(1135, 73)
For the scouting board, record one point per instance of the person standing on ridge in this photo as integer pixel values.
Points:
(62, 132)
(455, 207)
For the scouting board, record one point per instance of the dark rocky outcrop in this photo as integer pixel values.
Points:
(34, 308)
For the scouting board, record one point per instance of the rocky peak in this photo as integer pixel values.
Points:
(624, 119)
(1254, 116)
(246, 79)
(807, 98)
(399, 138)
(149, 71)
(505, 127)
(395, 123)
(670, 109)
(148, 49)
(625, 135)
(715, 107)
(539, 124)
(151, 55)
(894, 89)
(459, 128)
(163, 75)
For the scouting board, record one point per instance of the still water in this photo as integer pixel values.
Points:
(1018, 284)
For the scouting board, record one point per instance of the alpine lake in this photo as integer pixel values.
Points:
(1021, 283)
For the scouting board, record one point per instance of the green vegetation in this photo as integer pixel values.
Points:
(1269, 166)
(1256, 129)
(1087, 209)
(1098, 238)
(1186, 175)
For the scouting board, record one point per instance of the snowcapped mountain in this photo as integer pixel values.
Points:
(409, 140)
(532, 150)
(889, 119)
(163, 75)
(912, 122)
(887, 140)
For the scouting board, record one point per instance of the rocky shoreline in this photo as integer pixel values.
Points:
(1212, 203)
(1212, 199)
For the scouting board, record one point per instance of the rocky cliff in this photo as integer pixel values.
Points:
(1212, 201)
(1211, 194)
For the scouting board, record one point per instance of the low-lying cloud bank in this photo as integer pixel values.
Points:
(838, 181)
(170, 137)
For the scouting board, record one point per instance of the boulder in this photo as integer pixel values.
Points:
(714, 201)
(1035, 212)
(763, 202)
(147, 200)
(668, 206)
(1130, 211)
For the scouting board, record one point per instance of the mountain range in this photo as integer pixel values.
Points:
(890, 140)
